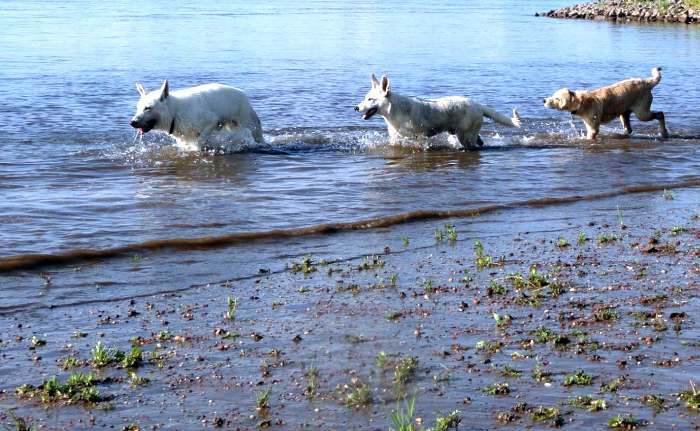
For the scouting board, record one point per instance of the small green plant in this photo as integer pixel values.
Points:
(77, 388)
(262, 400)
(133, 359)
(497, 389)
(668, 195)
(541, 375)
(444, 423)
(542, 414)
(691, 397)
(656, 402)
(439, 235)
(509, 371)
(371, 262)
(605, 314)
(70, 362)
(137, 380)
(613, 385)
(562, 242)
(579, 378)
(677, 230)
(451, 232)
(405, 369)
(102, 356)
(382, 360)
(627, 422)
(496, 289)
(502, 320)
(311, 382)
(402, 420)
(488, 347)
(37, 342)
(359, 395)
(18, 423)
(306, 266)
(588, 403)
(606, 238)
(482, 260)
(406, 241)
(581, 239)
(231, 308)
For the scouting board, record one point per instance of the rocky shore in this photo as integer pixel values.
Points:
(672, 11)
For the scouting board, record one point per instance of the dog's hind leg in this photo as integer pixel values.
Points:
(469, 140)
(625, 120)
(644, 113)
(479, 141)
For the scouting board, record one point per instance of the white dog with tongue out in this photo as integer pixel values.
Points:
(193, 114)
(407, 116)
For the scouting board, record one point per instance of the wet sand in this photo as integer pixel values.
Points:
(606, 288)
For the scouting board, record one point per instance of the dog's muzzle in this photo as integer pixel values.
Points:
(370, 112)
(144, 127)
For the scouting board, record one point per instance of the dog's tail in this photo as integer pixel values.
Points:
(655, 76)
(502, 119)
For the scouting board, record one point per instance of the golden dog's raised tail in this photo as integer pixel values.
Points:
(655, 76)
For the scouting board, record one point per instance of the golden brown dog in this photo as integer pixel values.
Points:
(602, 105)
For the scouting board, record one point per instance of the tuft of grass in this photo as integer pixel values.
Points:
(502, 320)
(588, 403)
(489, 347)
(18, 423)
(405, 369)
(579, 378)
(306, 266)
(496, 289)
(497, 388)
(451, 232)
(402, 420)
(627, 422)
(231, 308)
(406, 241)
(311, 382)
(613, 385)
(371, 262)
(677, 230)
(359, 395)
(482, 260)
(542, 414)
(656, 402)
(668, 195)
(606, 238)
(562, 242)
(37, 342)
(509, 371)
(541, 375)
(444, 423)
(581, 239)
(133, 359)
(262, 400)
(691, 397)
(382, 360)
(103, 356)
(605, 314)
(78, 388)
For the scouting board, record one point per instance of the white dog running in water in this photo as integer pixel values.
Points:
(192, 115)
(407, 116)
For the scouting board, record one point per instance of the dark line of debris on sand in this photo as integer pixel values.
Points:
(669, 11)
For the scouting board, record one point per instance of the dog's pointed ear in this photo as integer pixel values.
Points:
(164, 90)
(140, 89)
(385, 84)
(375, 81)
(572, 95)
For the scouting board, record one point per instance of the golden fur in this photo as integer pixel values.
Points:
(602, 105)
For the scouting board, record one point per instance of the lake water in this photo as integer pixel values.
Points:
(73, 176)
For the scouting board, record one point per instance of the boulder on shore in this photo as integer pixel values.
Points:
(676, 11)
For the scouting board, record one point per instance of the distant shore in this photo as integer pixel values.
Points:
(670, 11)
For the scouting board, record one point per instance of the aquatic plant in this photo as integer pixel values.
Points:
(668, 195)
(359, 395)
(306, 266)
(497, 388)
(627, 422)
(444, 423)
(496, 289)
(103, 356)
(77, 388)
(606, 238)
(579, 378)
(402, 420)
(482, 260)
(231, 308)
(581, 239)
(508, 371)
(405, 369)
(541, 375)
(562, 242)
(311, 382)
(262, 399)
(605, 314)
(541, 414)
(691, 397)
(132, 359)
(382, 360)
(588, 403)
(656, 402)
(451, 232)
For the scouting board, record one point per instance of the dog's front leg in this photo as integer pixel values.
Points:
(205, 134)
(592, 128)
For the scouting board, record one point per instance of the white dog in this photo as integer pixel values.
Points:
(192, 115)
(407, 116)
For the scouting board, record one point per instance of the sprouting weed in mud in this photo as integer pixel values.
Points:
(656, 402)
(311, 382)
(231, 308)
(132, 359)
(540, 375)
(393, 279)
(606, 238)
(508, 371)
(406, 241)
(394, 315)
(262, 400)
(428, 286)
(18, 423)
(562, 242)
(306, 266)
(37, 342)
(402, 420)
(613, 385)
(542, 414)
(488, 347)
(677, 230)
(627, 422)
(451, 232)
(439, 235)
(497, 388)
(605, 314)
(131, 427)
(581, 239)
(163, 336)
(588, 403)
(157, 359)
(358, 394)
(496, 289)
(382, 360)
(79, 334)
(691, 397)
(102, 356)
(579, 378)
(502, 320)
(77, 388)
(444, 423)
(668, 195)
(482, 260)
(70, 362)
(371, 262)
(405, 369)
(136, 380)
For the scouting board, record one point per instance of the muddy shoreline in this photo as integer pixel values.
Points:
(513, 318)
(673, 11)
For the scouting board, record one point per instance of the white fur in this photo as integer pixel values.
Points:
(408, 117)
(198, 113)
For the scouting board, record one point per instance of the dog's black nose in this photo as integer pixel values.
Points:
(544, 100)
(133, 123)
(357, 108)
